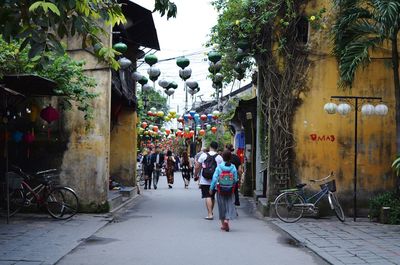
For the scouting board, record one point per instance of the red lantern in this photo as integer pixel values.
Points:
(49, 114)
(180, 119)
(203, 117)
(191, 133)
(214, 130)
(29, 138)
(190, 117)
(155, 128)
(202, 132)
(178, 133)
(167, 131)
(215, 117)
(150, 113)
(144, 125)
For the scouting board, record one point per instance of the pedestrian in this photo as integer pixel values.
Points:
(170, 168)
(239, 168)
(148, 167)
(192, 163)
(205, 167)
(223, 183)
(186, 168)
(203, 150)
(157, 159)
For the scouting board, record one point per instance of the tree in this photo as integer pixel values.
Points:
(360, 27)
(154, 99)
(40, 25)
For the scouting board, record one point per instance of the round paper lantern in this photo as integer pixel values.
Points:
(215, 67)
(381, 109)
(210, 116)
(180, 119)
(167, 131)
(368, 109)
(173, 85)
(124, 63)
(163, 83)
(218, 78)
(147, 87)
(217, 85)
(192, 112)
(193, 91)
(155, 128)
(196, 117)
(143, 80)
(150, 113)
(214, 56)
(191, 133)
(154, 73)
(192, 84)
(186, 117)
(208, 126)
(49, 114)
(153, 109)
(330, 108)
(160, 113)
(182, 62)
(151, 126)
(343, 108)
(151, 59)
(144, 125)
(214, 130)
(172, 113)
(136, 76)
(202, 132)
(216, 113)
(169, 91)
(17, 136)
(203, 117)
(120, 47)
(185, 73)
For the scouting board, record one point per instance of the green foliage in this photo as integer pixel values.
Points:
(362, 25)
(155, 99)
(396, 166)
(73, 85)
(166, 7)
(387, 199)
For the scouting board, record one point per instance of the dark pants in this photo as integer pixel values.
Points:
(237, 202)
(156, 177)
(147, 182)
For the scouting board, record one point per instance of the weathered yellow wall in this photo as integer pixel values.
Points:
(123, 149)
(326, 142)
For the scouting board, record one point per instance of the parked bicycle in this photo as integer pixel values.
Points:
(59, 201)
(291, 204)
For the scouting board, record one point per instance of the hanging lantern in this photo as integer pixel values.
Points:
(218, 78)
(49, 114)
(136, 76)
(154, 73)
(169, 91)
(120, 47)
(182, 62)
(144, 125)
(192, 113)
(146, 87)
(381, 109)
(216, 113)
(203, 117)
(160, 113)
(180, 119)
(153, 109)
(29, 138)
(214, 130)
(215, 67)
(217, 85)
(214, 56)
(151, 59)
(185, 73)
(202, 132)
(330, 108)
(191, 133)
(155, 128)
(173, 85)
(17, 136)
(208, 126)
(192, 84)
(192, 91)
(368, 109)
(343, 108)
(163, 83)
(167, 131)
(186, 117)
(124, 63)
(210, 116)
(143, 80)
(172, 113)
(150, 113)
(196, 117)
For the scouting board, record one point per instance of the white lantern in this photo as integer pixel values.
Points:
(185, 73)
(154, 71)
(381, 109)
(330, 108)
(124, 63)
(147, 87)
(163, 83)
(343, 108)
(137, 76)
(368, 109)
(192, 84)
(153, 109)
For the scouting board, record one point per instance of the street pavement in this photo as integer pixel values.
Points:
(167, 227)
(360, 242)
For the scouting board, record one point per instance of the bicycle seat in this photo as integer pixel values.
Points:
(301, 185)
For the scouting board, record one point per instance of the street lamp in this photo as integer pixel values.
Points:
(345, 107)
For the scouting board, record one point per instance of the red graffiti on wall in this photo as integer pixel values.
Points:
(322, 138)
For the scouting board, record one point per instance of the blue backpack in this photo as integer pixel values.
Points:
(226, 183)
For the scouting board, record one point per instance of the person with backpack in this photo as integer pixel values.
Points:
(239, 168)
(224, 183)
(205, 168)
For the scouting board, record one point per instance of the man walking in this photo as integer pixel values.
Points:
(157, 159)
(204, 170)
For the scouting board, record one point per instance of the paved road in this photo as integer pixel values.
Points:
(166, 226)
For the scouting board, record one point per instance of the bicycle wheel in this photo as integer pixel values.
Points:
(289, 207)
(17, 199)
(62, 203)
(333, 201)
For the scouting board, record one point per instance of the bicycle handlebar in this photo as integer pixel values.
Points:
(323, 179)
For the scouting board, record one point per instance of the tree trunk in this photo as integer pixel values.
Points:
(395, 61)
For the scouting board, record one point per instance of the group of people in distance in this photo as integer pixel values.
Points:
(218, 175)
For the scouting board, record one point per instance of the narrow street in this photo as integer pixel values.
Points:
(166, 226)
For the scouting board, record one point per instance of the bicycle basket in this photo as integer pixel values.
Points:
(49, 179)
(15, 180)
(330, 184)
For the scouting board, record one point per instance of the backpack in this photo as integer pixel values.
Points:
(209, 166)
(226, 183)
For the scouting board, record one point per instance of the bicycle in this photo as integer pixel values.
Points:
(292, 203)
(59, 201)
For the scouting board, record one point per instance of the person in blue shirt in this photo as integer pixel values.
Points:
(226, 199)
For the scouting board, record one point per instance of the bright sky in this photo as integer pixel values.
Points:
(184, 35)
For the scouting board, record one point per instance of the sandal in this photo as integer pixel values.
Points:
(209, 218)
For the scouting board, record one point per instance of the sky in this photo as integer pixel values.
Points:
(185, 35)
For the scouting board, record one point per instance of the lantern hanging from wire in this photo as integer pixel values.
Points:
(49, 114)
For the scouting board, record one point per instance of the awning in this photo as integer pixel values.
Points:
(140, 29)
(30, 85)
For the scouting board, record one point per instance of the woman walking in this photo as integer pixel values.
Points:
(186, 168)
(170, 169)
(147, 168)
(224, 182)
